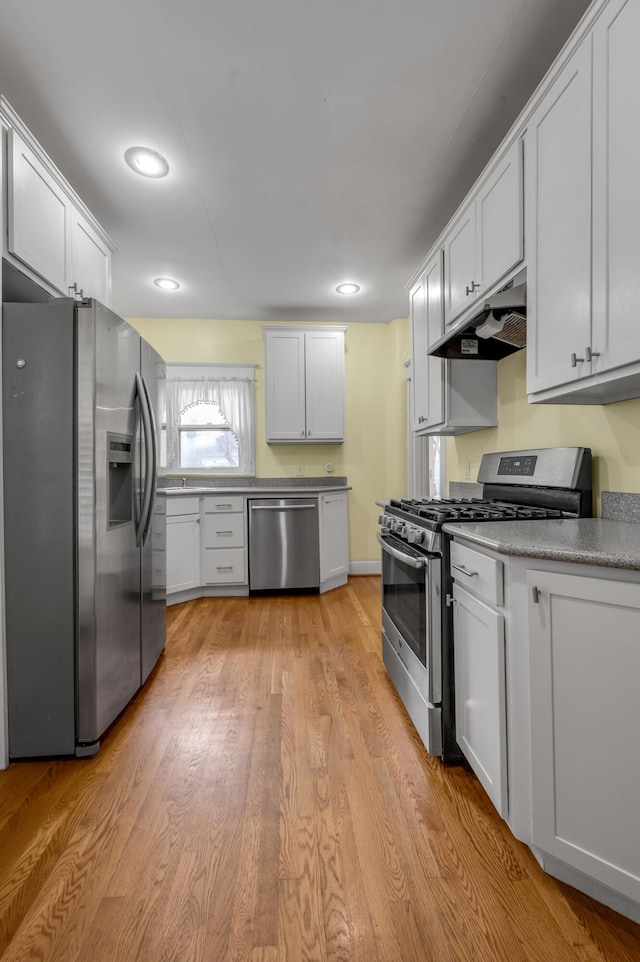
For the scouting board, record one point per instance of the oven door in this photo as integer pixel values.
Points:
(411, 608)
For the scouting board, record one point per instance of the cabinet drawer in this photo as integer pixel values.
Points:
(477, 572)
(224, 566)
(221, 532)
(183, 506)
(223, 504)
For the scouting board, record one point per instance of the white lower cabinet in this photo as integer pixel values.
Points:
(479, 667)
(585, 721)
(183, 544)
(224, 556)
(207, 544)
(334, 538)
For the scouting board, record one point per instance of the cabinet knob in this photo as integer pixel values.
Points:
(575, 360)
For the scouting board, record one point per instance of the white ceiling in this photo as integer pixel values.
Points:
(310, 141)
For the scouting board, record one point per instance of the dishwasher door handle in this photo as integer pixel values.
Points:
(283, 507)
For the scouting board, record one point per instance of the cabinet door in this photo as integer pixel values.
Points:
(500, 221)
(585, 719)
(460, 282)
(426, 328)
(285, 386)
(183, 553)
(90, 260)
(39, 216)
(558, 162)
(324, 367)
(334, 535)
(480, 692)
(616, 189)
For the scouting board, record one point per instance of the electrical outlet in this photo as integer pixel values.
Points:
(467, 470)
(299, 470)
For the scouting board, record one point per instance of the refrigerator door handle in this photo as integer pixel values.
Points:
(152, 463)
(149, 486)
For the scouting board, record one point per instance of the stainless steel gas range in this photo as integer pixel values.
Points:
(417, 623)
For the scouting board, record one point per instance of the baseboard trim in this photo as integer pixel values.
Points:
(365, 567)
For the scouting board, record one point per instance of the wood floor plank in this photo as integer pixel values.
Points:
(265, 798)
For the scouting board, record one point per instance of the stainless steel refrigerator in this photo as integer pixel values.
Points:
(84, 521)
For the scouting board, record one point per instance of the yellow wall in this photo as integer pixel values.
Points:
(612, 431)
(374, 454)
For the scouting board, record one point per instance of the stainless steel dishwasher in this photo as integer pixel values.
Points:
(283, 544)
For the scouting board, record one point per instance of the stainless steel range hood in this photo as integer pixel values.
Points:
(498, 328)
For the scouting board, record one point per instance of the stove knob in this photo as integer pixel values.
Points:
(418, 536)
(398, 527)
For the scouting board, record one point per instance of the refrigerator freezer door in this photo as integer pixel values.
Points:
(107, 483)
(39, 427)
(153, 565)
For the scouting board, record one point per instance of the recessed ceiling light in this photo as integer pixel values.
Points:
(147, 162)
(166, 283)
(348, 288)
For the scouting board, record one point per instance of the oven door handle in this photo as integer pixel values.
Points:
(400, 556)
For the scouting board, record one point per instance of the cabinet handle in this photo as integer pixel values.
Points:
(464, 571)
(224, 567)
(575, 360)
(591, 354)
(302, 435)
(224, 532)
(474, 286)
(219, 507)
(536, 595)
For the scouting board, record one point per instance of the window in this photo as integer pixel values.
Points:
(210, 419)
(205, 437)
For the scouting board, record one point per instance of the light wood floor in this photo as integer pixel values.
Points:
(264, 799)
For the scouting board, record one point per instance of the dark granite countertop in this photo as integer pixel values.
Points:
(591, 541)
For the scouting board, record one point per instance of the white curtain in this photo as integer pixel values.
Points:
(235, 397)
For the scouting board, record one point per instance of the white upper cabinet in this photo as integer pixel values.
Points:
(50, 235)
(558, 163)
(448, 397)
(90, 260)
(485, 242)
(39, 216)
(427, 380)
(304, 384)
(616, 190)
(500, 220)
(324, 375)
(460, 265)
(583, 198)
